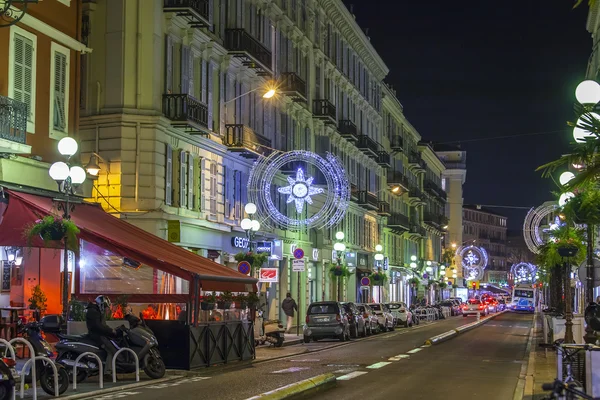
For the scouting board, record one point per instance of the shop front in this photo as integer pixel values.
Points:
(167, 284)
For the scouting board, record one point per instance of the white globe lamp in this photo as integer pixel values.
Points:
(429, 269)
(339, 235)
(255, 225)
(67, 146)
(580, 134)
(564, 198)
(250, 208)
(339, 246)
(413, 258)
(588, 92)
(246, 224)
(413, 265)
(77, 175)
(378, 247)
(378, 257)
(59, 171)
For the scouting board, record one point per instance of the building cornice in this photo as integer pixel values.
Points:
(431, 158)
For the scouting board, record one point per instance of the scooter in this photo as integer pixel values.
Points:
(8, 378)
(139, 338)
(268, 331)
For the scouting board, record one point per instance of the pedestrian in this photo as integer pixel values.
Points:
(598, 300)
(289, 305)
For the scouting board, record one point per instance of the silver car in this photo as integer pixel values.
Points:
(402, 316)
(326, 319)
(384, 316)
(474, 307)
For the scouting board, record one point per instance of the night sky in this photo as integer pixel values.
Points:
(480, 69)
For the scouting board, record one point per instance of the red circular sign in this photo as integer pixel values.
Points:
(298, 253)
(365, 281)
(244, 267)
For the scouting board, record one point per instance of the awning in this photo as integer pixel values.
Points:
(119, 237)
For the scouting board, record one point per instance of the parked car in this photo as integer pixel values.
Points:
(501, 305)
(492, 304)
(401, 314)
(454, 308)
(370, 318)
(474, 306)
(326, 319)
(384, 316)
(459, 303)
(355, 320)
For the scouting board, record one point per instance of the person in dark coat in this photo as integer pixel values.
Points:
(289, 305)
(99, 331)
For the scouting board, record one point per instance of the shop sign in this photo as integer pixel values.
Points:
(239, 242)
(351, 259)
(315, 254)
(298, 265)
(386, 264)
(277, 250)
(268, 275)
(264, 247)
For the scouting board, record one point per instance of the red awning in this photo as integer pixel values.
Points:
(119, 237)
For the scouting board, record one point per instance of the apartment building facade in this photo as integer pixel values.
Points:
(487, 229)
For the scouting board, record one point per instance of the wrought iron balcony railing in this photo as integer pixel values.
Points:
(241, 138)
(398, 222)
(13, 120)
(348, 130)
(384, 208)
(184, 110)
(397, 178)
(384, 159)
(293, 86)
(241, 44)
(368, 200)
(368, 146)
(195, 11)
(323, 109)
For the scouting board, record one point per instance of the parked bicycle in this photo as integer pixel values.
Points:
(563, 391)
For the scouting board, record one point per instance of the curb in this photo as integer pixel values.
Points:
(120, 388)
(461, 329)
(302, 387)
(525, 382)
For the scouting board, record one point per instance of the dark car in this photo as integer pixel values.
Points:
(326, 319)
(454, 309)
(358, 327)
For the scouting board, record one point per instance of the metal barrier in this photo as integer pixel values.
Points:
(101, 367)
(426, 313)
(13, 356)
(33, 371)
(44, 358)
(114, 364)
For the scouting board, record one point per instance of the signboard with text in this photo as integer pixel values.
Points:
(264, 247)
(268, 275)
(239, 242)
(298, 265)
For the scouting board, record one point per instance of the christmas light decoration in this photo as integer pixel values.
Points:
(533, 232)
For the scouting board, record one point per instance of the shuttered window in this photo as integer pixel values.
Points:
(185, 72)
(213, 188)
(169, 175)
(59, 91)
(22, 77)
(183, 169)
(191, 183)
(168, 65)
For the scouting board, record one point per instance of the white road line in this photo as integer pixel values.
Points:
(343, 371)
(425, 346)
(413, 351)
(289, 370)
(306, 360)
(399, 357)
(350, 375)
(378, 365)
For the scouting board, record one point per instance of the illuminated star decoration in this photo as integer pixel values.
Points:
(300, 190)
(471, 258)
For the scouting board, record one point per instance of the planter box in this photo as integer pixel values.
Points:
(79, 327)
(558, 328)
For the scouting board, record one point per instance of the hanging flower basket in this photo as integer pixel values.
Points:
(414, 282)
(378, 278)
(51, 228)
(567, 249)
(224, 301)
(255, 259)
(339, 271)
(207, 302)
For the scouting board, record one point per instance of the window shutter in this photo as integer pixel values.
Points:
(60, 77)
(169, 176)
(204, 78)
(227, 189)
(238, 194)
(185, 76)
(244, 189)
(202, 183)
(191, 76)
(176, 201)
(209, 102)
(197, 184)
(190, 184)
(213, 188)
(183, 179)
(169, 65)
(23, 72)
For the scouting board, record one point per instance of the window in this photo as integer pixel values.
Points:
(21, 74)
(213, 188)
(59, 91)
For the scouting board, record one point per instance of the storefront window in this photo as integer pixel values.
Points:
(104, 272)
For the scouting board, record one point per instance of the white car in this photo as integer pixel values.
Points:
(401, 314)
(474, 306)
(384, 316)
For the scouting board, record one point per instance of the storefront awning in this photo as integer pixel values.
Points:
(119, 237)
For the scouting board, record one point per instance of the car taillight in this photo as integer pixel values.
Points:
(338, 317)
(10, 363)
(481, 306)
(465, 306)
(307, 319)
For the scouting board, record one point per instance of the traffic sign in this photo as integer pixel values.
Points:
(365, 281)
(244, 267)
(298, 253)
(298, 266)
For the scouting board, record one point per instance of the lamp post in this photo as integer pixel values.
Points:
(250, 226)
(378, 259)
(268, 94)
(339, 248)
(68, 178)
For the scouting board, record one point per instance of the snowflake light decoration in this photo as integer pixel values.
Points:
(300, 190)
(534, 234)
(329, 200)
(473, 259)
(523, 271)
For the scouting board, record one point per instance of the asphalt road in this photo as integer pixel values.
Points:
(483, 362)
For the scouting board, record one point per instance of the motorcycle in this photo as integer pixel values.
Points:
(268, 331)
(8, 378)
(32, 332)
(138, 338)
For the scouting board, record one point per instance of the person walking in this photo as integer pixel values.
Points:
(289, 305)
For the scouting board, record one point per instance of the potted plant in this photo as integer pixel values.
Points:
(37, 302)
(241, 301)
(52, 229)
(224, 300)
(443, 285)
(455, 286)
(414, 281)
(378, 278)
(252, 300)
(338, 270)
(256, 260)
(208, 301)
(431, 283)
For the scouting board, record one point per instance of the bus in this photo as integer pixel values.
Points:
(523, 298)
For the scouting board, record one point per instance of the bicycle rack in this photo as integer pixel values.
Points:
(33, 371)
(54, 369)
(13, 356)
(114, 364)
(88, 353)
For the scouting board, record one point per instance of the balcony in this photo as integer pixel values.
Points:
(348, 130)
(368, 146)
(353, 192)
(293, 86)
(324, 110)
(398, 223)
(435, 220)
(186, 112)
(415, 197)
(417, 231)
(368, 200)
(241, 138)
(384, 209)
(434, 189)
(416, 163)
(397, 178)
(241, 44)
(13, 126)
(195, 12)
(384, 159)
(397, 143)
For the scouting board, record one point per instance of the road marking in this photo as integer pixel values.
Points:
(378, 365)
(306, 360)
(178, 382)
(350, 375)
(413, 351)
(343, 365)
(117, 395)
(289, 370)
(425, 346)
(399, 357)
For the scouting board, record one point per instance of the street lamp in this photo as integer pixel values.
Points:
(68, 178)
(339, 248)
(250, 226)
(269, 93)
